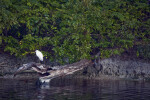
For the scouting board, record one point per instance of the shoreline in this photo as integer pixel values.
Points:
(113, 68)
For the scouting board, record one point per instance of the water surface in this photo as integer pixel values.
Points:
(74, 89)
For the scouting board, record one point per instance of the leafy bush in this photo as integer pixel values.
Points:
(73, 29)
(143, 51)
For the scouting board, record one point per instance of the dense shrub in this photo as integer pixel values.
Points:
(73, 29)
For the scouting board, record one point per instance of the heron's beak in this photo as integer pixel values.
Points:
(33, 52)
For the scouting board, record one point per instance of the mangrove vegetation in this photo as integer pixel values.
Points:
(71, 30)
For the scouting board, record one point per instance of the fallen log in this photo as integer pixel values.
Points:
(47, 72)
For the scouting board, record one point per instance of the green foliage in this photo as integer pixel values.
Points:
(143, 51)
(0, 40)
(73, 29)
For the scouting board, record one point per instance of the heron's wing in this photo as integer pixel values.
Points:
(39, 55)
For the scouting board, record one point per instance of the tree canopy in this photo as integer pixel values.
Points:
(73, 29)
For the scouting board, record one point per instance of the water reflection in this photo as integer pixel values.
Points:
(74, 89)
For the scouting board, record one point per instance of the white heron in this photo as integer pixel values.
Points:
(39, 55)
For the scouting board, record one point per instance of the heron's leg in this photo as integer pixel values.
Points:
(41, 62)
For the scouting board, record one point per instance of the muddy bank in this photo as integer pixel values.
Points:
(110, 68)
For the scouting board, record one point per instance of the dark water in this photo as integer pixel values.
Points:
(74, 89)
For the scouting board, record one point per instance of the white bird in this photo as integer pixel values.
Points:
(39, 55)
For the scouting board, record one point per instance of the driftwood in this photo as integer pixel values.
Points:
(3, 64)
(48, 72)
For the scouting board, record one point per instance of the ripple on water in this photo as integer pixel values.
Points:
(74, 89)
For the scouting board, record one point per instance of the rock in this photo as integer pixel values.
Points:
(129, 69)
